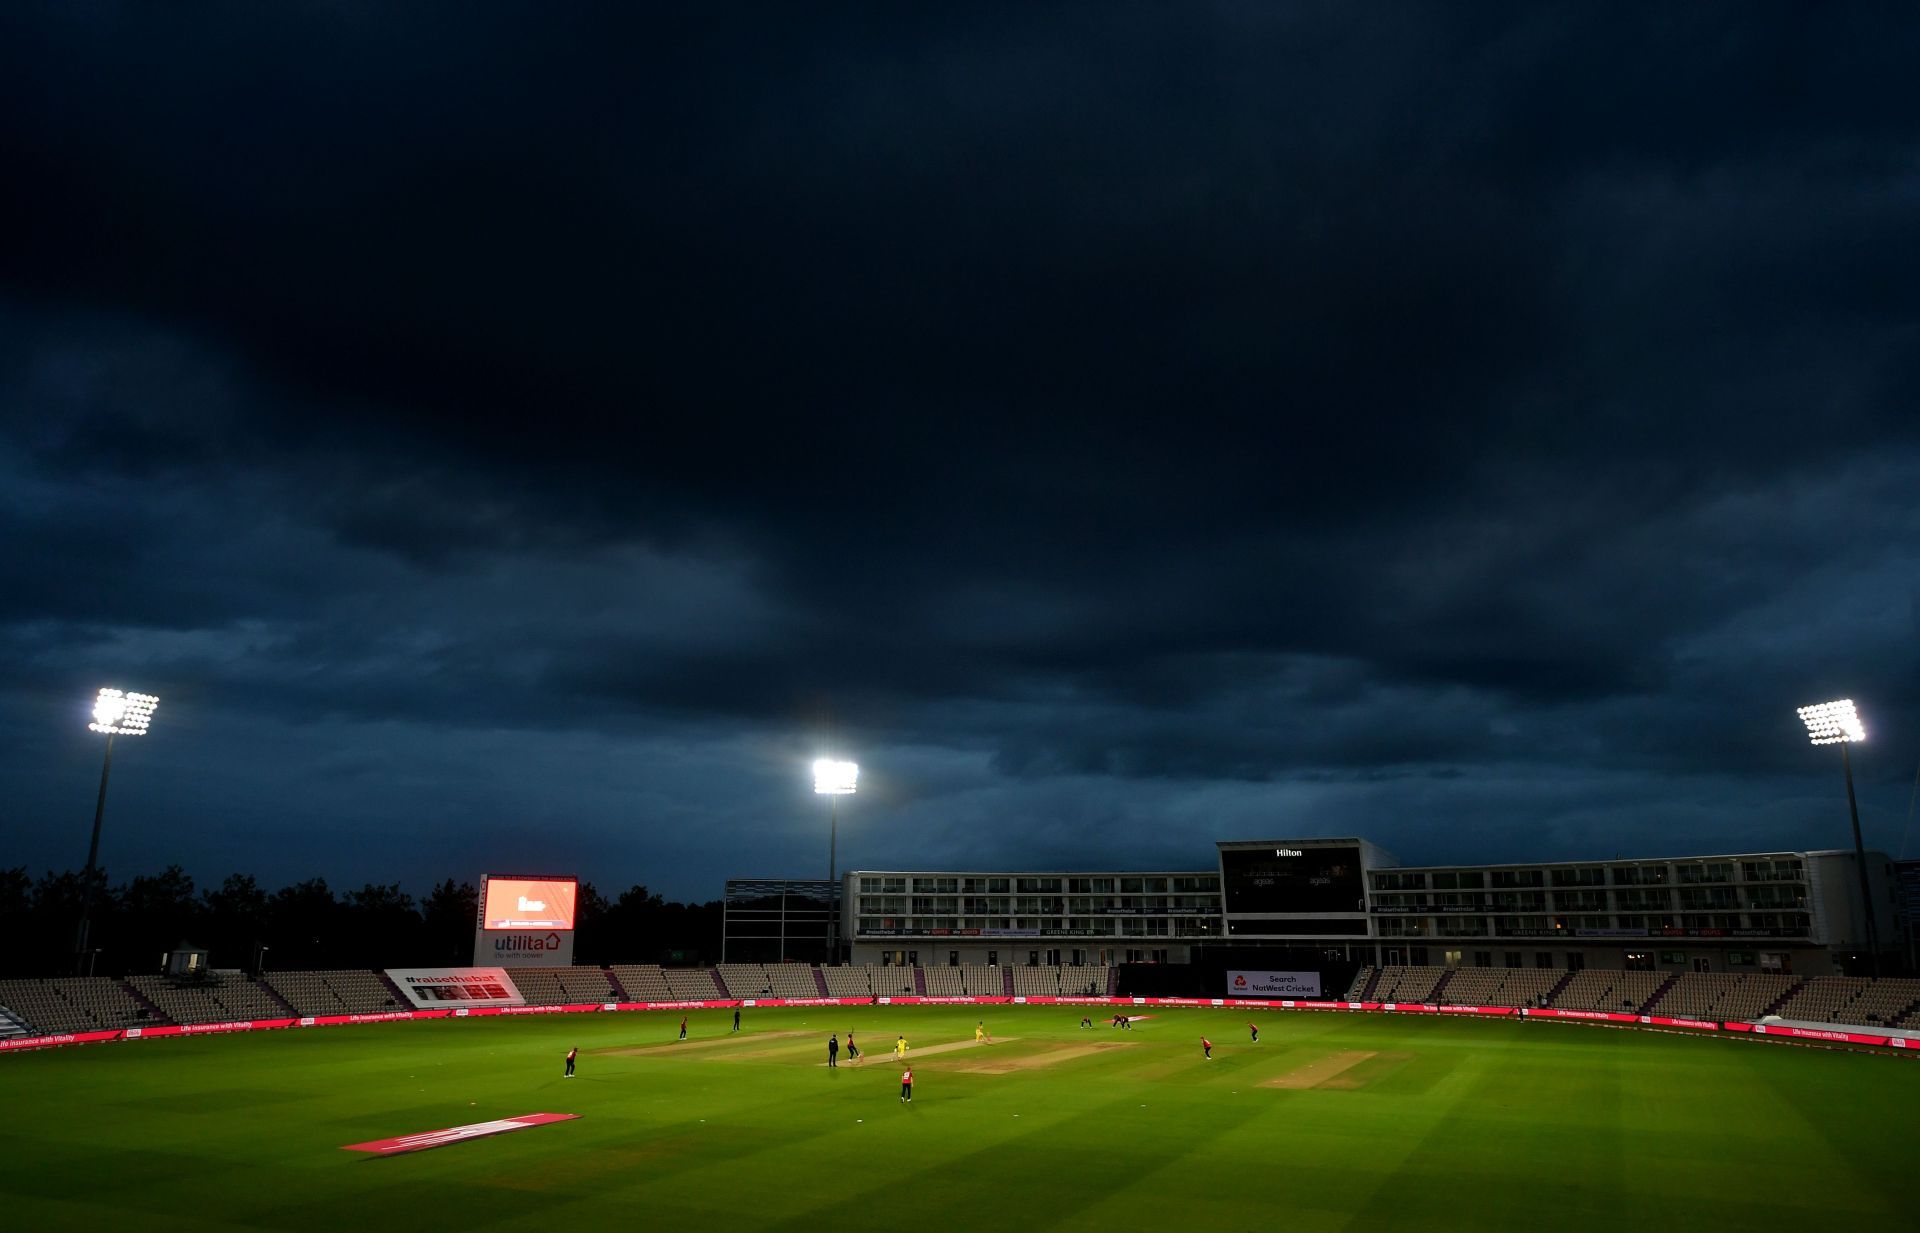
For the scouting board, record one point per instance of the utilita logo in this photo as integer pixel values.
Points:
(532, 905)
(1288, 852)
(521, 941)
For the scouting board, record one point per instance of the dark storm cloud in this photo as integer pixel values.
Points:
(1134, 426)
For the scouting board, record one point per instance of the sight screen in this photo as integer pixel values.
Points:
(1284, 879)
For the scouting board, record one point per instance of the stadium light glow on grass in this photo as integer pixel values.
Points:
(1838, 723)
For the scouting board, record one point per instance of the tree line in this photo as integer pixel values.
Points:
(308, 925)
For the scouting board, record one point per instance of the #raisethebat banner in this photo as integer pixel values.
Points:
(456, 988)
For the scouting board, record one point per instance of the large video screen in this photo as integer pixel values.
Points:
(1283, 879)
(528, 903)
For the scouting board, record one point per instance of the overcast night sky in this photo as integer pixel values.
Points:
(521, 438)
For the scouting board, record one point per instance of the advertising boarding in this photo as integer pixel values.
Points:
(1273, 984)
(456, 988)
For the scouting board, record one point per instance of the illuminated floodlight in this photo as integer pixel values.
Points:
(1833, 723)
(1837, 723)
(115, 713)
(832, 778)
(123, 714)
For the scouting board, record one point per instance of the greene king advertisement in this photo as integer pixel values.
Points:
(1273, 984)
(456, 988)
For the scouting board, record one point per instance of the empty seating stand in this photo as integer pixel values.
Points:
(1823, 997)
(1856, 1000)
(561, 986)
(745, 980)
(75, 1004)
(35, 1004)
(246, 998)
(1882, 1002)
(1527, 986)
(539, 986)
(1086, 982)
(644, 982)
(791, 980)
(1695, 994)
(346, 992)
(1500, 986)
(947, 982)
(1404, 984)
(1036, 982)
(1749, 998)
(848, 981)
(1606, 990)
(364, 992)
(220, 999)
(694, 985)
(982, 981)
(307, 992)
(1909, 1016)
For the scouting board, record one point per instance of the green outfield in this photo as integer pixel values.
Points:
(1331, 1121)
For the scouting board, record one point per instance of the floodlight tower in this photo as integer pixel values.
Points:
(833, 780)
(1837, 723)
(115, 713)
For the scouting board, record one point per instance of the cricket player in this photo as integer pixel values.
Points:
(980, 1032)
(900, 1048)
(906, 1086)
(1206, 1046)
(1255, 1029)
(853, 1050)
(571, 1054)
(683, 1027)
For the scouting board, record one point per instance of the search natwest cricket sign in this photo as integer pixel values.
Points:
(1273, 984)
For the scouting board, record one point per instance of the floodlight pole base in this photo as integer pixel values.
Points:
(1860, 863)
(93, 860)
